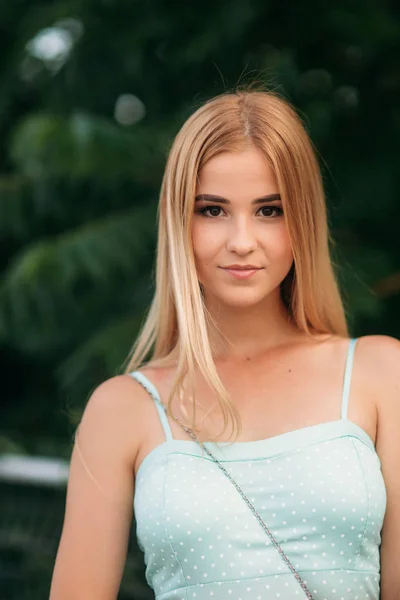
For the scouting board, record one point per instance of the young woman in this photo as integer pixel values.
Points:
(244, 364)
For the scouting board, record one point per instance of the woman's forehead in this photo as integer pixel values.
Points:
(236, 173)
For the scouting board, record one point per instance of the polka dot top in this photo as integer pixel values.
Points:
(319, 489)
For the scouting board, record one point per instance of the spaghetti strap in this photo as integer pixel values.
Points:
(347, 376)
(152, 390)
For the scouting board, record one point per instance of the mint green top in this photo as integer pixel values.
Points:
(319, 489)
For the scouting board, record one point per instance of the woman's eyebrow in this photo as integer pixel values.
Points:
(221, 200)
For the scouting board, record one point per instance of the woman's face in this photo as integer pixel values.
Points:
(238, 222)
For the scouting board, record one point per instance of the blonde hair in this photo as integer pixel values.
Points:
(177, 319)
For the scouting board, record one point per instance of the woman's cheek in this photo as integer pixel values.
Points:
(280, 245)
(205, 240)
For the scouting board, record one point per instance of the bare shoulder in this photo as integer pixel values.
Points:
(379, 358)
(373, 343)
(114, 413)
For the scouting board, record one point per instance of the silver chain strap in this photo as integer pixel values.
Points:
(249, 504)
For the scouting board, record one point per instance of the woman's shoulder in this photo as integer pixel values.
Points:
(117, 396)
(376, 363)
(381, 353)
(377, 359)
(114, 412)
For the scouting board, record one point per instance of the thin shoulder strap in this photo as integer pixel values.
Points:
(347, 376)
(152, 390)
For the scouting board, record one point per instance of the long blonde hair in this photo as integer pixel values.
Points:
(177, 319)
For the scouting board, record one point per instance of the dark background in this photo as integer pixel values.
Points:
(92, 93)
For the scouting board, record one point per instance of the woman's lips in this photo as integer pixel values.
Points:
(242, 273)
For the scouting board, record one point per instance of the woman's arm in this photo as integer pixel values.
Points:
(384, 355)
(99, 503)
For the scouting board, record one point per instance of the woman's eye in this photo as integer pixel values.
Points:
(277, 209)
(268, 211)
(204, 211)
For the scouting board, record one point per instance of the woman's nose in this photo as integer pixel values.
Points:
(241, 237)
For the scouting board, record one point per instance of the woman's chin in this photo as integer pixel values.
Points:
(243, 298)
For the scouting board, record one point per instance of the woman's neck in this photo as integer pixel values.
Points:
(246, 332)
